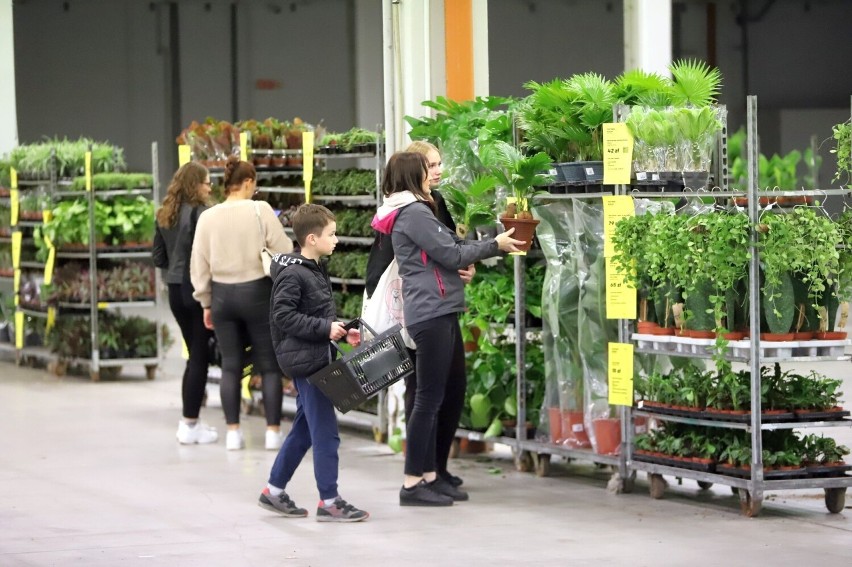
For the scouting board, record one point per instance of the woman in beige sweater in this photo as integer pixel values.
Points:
(227, 274)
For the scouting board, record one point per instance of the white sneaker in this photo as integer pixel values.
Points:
(200, 433)
(234, 440)
(274, 439)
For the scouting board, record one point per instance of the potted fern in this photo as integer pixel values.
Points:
(520, 175)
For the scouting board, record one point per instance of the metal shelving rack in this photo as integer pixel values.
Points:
(750, 490)
(57, 190)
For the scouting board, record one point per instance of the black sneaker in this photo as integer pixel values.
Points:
(422, 494)
(280, 504)
(451, 478)
(340, 511)
(441, 486)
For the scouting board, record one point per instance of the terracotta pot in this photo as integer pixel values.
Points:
(663, 331)
(574, 431)
(696, 334)
(524, 230)
(473, 346)
(607, 436)
(554, 416)
(777, 337)
(646, 327)
(804, 335)
(640, 425)
(470, 447)
(831, 336)
(733, 336)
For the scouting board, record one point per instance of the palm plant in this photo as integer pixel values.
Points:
(518, 173)
(694, 83)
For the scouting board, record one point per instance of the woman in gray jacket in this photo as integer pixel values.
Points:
(429, 257)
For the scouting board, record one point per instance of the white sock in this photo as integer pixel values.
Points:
(274, 490)
(329, 501)
(190, 423)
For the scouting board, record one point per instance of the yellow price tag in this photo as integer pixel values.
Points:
(88, 171)
(17, 286)
(14, 199)
(184, 155)
(48, 266)
(19, 330)
(17, 237)
(620, 374)
(51, 319)
(244, 146)
(307, 156)
(13, 177)
(102, 304)
(620, 295)
(617, 154)
(615, 208)
(47, 215)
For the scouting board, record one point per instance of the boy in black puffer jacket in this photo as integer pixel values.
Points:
(303, 321)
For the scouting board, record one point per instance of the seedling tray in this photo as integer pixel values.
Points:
(691, 465)
(805, 415)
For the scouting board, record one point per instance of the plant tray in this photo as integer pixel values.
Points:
(820, 415)
(828, 470)
(767, 473)
(746, 417)
(673, 462)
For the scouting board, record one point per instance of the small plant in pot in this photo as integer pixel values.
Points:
(520, 175)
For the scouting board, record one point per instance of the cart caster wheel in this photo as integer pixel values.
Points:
(704, 485)
(151, 371)
(749, 507)
(657, 485)
(835, 499)
(735, 490)
(542, 464)
(95, 376)
(524, 462)
(620, 485)
(57, 368)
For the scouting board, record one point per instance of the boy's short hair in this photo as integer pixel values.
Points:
(310, 219)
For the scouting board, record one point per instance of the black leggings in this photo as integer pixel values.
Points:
(190, 319)
(440, 370)
(241, 318)
(448, 414)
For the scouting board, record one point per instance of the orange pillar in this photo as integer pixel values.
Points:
(458, 51)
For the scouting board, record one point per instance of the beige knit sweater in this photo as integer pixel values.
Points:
(227, 245)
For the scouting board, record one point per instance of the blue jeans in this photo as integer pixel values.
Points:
(315, 425)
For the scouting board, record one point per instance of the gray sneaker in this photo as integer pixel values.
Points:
(280, 504)
(340, 511)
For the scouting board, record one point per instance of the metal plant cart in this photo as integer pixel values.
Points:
(751, 490)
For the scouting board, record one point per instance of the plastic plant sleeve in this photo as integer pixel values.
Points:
(560, 303)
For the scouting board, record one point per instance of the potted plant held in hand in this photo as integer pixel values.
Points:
(520, 175)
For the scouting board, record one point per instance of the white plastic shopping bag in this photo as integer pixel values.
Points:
(384, 309)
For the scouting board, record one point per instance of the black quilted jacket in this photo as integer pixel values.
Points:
(302, 313)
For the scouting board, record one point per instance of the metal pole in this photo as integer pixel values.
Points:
(756, 485)
(155, 196)
(93, 283)
(520, 346)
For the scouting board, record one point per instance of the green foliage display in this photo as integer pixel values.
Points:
(348, 265)
(354, 222)
(115, 181)
(65, 157)
(345, 182)
(842, 136)
(519, 174)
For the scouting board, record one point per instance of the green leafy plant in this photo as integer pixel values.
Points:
(472, 206)
(842, 136)
(519, 174)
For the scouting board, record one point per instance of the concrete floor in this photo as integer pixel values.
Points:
(90, 474)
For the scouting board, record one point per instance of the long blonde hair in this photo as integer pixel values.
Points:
(183, 188)
(422, 147)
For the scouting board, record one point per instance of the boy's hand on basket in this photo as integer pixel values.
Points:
(353, 337)
(337, 331)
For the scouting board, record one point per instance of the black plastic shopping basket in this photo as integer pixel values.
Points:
(366, 370)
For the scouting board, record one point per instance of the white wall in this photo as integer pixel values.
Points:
(8, 108)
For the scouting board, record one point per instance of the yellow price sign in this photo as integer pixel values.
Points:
(620, 295)
(51, 319)
(19, 330)
(17, 237)
(13, 177)
(14, 200)
(244, 146)
(184, 155)
(50, 263)
(620, 374)
(17, 286)
(308, 156)
(102, 304)
(617, 154)
(88, 171)
(615, 208)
